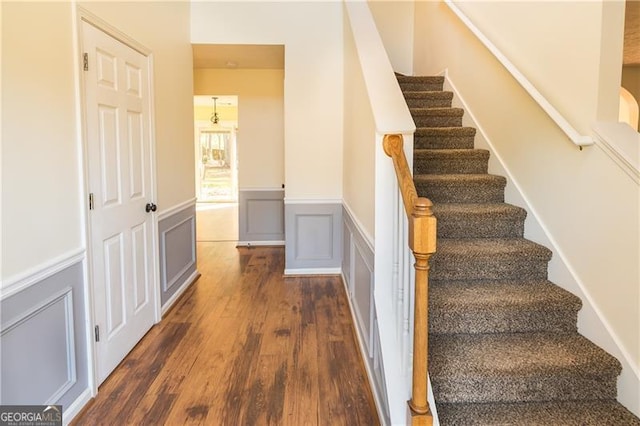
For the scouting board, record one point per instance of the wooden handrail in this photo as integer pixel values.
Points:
(422, 242)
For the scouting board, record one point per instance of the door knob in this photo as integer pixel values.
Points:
(150, 207)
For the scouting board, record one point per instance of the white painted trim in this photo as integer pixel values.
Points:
(114, 32)
(260, 189)
(73, 409)
(24, 280)
(622, 144)
(628, 361)
(312, 201)
(364, 354)
(163, 214)
(552, 112)
(366, 236)
(313, 271)
(174, 297)
(389, 108)
(260, 243)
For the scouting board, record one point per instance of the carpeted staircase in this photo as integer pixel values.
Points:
(503, 342)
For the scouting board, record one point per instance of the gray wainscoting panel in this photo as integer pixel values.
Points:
(177, 251)
(43, 337)
(313, 236)
(358, 270)
(261, 216)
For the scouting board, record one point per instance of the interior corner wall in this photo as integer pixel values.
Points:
(581, 201)
(260, 135)
(312, 35)
(395, 20)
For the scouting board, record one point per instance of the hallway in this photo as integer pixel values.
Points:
(243, 346)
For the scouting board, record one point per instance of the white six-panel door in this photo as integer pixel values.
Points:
(120, 180)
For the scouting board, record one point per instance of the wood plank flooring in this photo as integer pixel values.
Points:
(243, 346)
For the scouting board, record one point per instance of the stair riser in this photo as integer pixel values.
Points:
(507, 267)
(514, 320)
(517, 389)
(420, 87)
(472, 193)
(450, 165)
(428, 103)
(434, 142)
(469, 226)
(437, 121)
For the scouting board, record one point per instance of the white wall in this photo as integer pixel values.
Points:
(563, 59)
(395, 20)
(260, 136)
(587, 206)
(40, 163)
(41, 182)
(312, 35)
(359, 142)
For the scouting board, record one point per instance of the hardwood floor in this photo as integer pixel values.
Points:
(243, 346)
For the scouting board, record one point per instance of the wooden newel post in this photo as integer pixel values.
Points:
(422, 241)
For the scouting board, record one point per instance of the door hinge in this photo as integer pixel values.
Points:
(96, 332)
(91, 201)
(85, 61)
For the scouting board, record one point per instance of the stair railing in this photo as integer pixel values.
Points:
(422, 242)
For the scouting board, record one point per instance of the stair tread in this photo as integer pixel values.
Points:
(489, 209)
(419, 79)
(450, 152)
(557, 413)
(489, 247)
(460, 178)
(445, 131)
(496, 294)
(429, 94)
(515, 356)
(437, 112)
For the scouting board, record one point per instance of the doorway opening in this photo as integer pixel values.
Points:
(216, 124)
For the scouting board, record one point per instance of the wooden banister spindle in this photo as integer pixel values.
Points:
(422, 242)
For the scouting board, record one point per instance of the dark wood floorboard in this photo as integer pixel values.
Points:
(243, 346)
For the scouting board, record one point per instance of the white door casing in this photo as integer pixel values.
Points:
(120, 179)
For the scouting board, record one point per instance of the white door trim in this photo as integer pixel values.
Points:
(83, 15)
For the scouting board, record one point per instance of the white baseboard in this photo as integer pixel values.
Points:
(169, 303)
(260, 243)
(76, 406)
(313, 271)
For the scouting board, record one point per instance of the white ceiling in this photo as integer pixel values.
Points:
(255, 56)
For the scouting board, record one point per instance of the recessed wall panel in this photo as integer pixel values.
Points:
(314, 237)
(39, 367)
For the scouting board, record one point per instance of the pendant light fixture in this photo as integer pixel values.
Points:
(214, 116)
